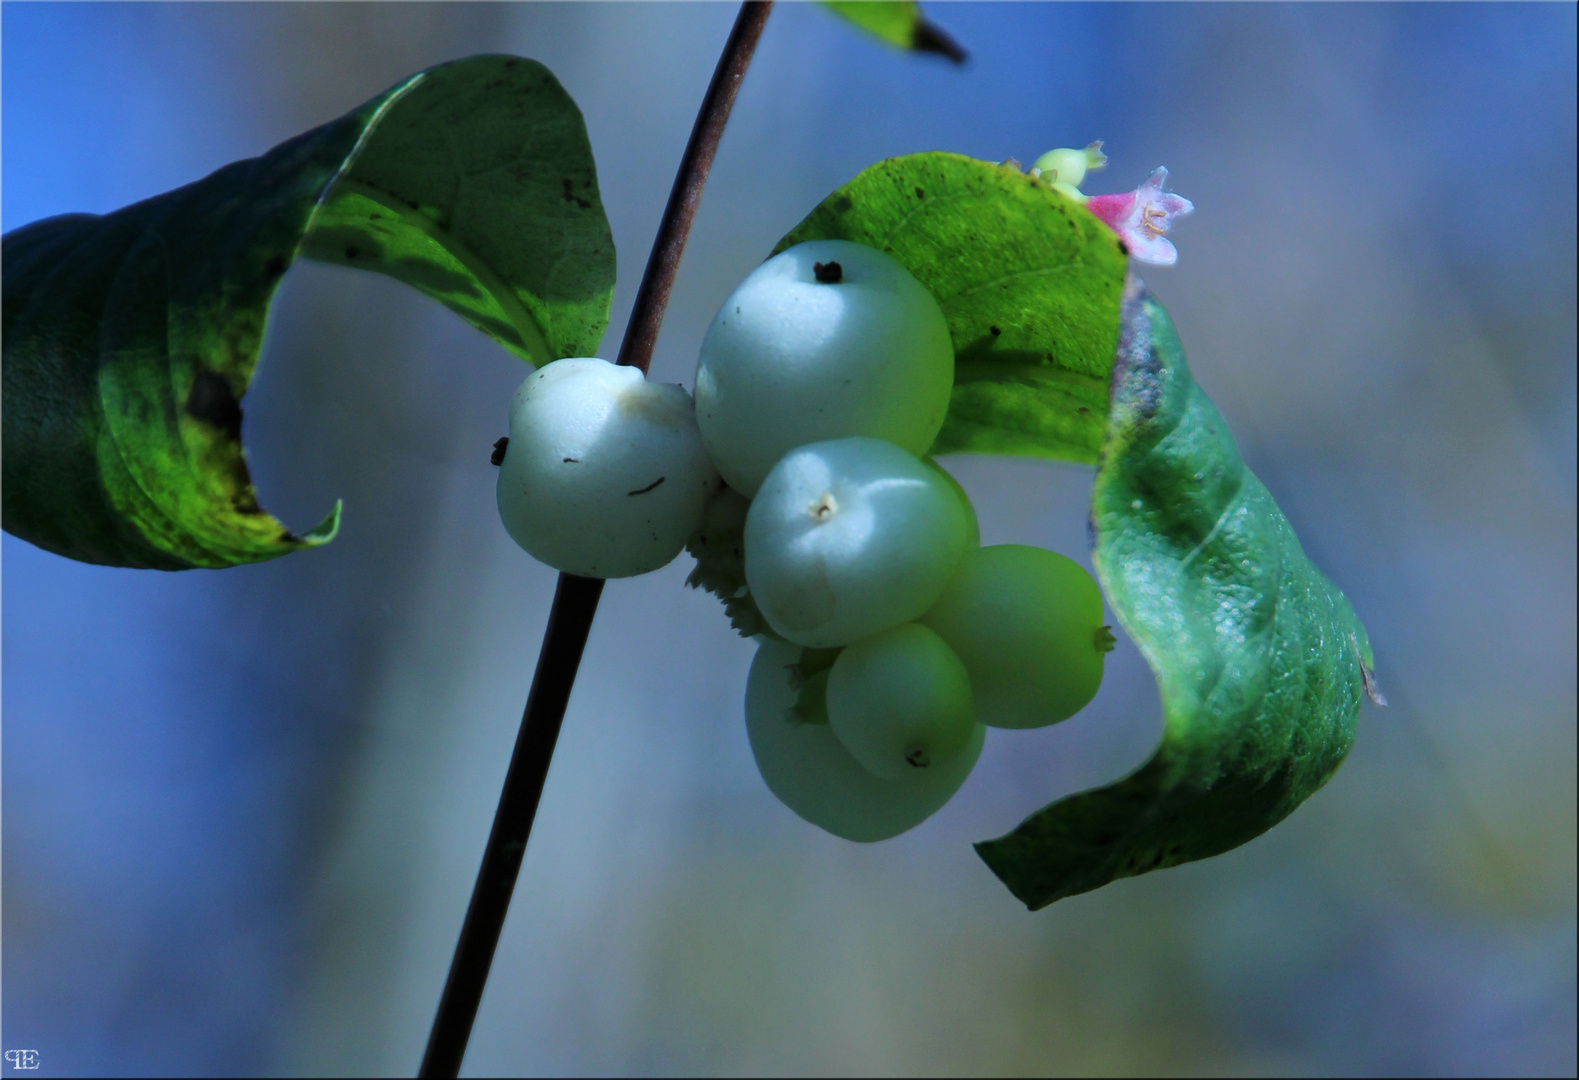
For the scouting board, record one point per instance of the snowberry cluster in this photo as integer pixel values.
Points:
(889, 638)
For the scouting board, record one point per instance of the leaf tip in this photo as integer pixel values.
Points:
(327, 529)
(995, 854)
(1372, 689)
(929, 37)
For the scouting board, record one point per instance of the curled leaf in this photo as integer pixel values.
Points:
(130, 338)
(1260, 660)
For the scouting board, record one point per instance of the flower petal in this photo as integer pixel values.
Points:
(1155, 250)
(1114, 210)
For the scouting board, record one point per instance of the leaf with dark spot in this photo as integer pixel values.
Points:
(211, 399)
(130, 338)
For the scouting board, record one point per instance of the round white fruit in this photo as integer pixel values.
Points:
(900, 702)
(1027, 623)
(812, 773)
(850, 537)
(799, 355)
(605, 474)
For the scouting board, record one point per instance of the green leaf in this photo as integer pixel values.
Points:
(1028, 279)
(130, 339)
(1260, 660)
(899, 23)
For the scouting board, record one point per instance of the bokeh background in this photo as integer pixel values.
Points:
(243, 809)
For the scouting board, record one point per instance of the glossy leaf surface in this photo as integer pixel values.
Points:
(130, 338)
(1260, 660)
(1028, 280)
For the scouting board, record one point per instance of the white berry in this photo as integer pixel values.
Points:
(850, 537)
(605, 474)
(825, 340)
(812, 773)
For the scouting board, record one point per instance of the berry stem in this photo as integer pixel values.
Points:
(576, 598)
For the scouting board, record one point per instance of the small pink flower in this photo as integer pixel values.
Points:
(1143, 217)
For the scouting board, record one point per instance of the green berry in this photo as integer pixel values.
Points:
(900, 702)
(1027, 623)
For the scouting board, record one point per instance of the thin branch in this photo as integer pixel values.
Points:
(653, 297)
(576, 598)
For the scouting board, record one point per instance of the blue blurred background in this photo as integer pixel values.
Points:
(243, 810)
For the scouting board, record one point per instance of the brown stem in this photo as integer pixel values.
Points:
(664, 262)
(576, 598)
